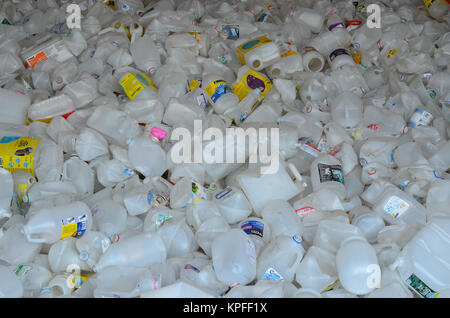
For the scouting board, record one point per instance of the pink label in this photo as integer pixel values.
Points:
(158, 133)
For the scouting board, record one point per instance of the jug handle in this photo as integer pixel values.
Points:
(295, 172)
(36, 238)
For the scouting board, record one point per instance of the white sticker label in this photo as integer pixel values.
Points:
(396, 207)
(272, 274)
(420, 118)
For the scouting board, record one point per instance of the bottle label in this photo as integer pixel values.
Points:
(272, 274)
(74, 227)
(336, 25)
(231, 31)
(250, 45)
(217, 89)
(133, 83)
(420, 287)
(35, 58)
(429, 3)
(396, 207)
(420, 117)
(310, 150)
(252, 80)
(253, 227)
(193, 84)
(391, 53)
(330, 173)
(198, 191)
(289, 53)
(338, 52)
(17, 153)
(190, 266)
(28, 120)
(223, 193)
(22, 270)
(158, 133)
(201, 100)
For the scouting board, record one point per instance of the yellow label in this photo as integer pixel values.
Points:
(391, 53)
(68, 230)
(74, 226)
(429, 3)
(252, 80)
(133, 83)
(250, 45)
(21, 190)
(217, 89)
(110, 3)
(331, 286)
(196, 35)
(17, 153)
(357, 58)
(28, 121)
(288, 53)
(193, 84)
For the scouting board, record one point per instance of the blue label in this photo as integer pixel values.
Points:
(7, 140)
(253, 227)
(223, 193)
(221, 90)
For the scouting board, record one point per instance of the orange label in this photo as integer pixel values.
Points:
(33, 60)
(288, 53)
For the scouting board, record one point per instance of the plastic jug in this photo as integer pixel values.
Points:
(356, 262)
(50, 225)
(236, 264)
(141, 251)
(422, 263)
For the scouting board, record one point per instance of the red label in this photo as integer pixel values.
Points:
(68, 114)
(353, 22)
(305, 210)
(33, 60)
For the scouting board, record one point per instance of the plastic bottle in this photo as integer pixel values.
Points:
(280, 258)
(258, 53)
(11, 285)
(242, 255)
(326, 172)
(356, 261)
(220, 94)
(426, 247)
(143, 148)
(141, 251)
(50, 225)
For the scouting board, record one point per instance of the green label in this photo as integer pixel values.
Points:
(420, 287)
(22, 270)
(5, 21)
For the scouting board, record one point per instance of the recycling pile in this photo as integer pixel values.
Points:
(95, 203)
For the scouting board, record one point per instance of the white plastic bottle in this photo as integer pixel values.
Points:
(115, 124)
(46, 110)
(50, 225)
(81, 175)
(147, 156)
(141, 251)
(423, 263)
(258, 230)
(396, 206)
(11, 286)
(347, 109)
(220, 94)
(64, 254)
(16, 114)
(437, 9)
(233, 256)
(356, 263)
(326, 172)
(177, 237)
(280, 258)
(233, 204)
(258, 53)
